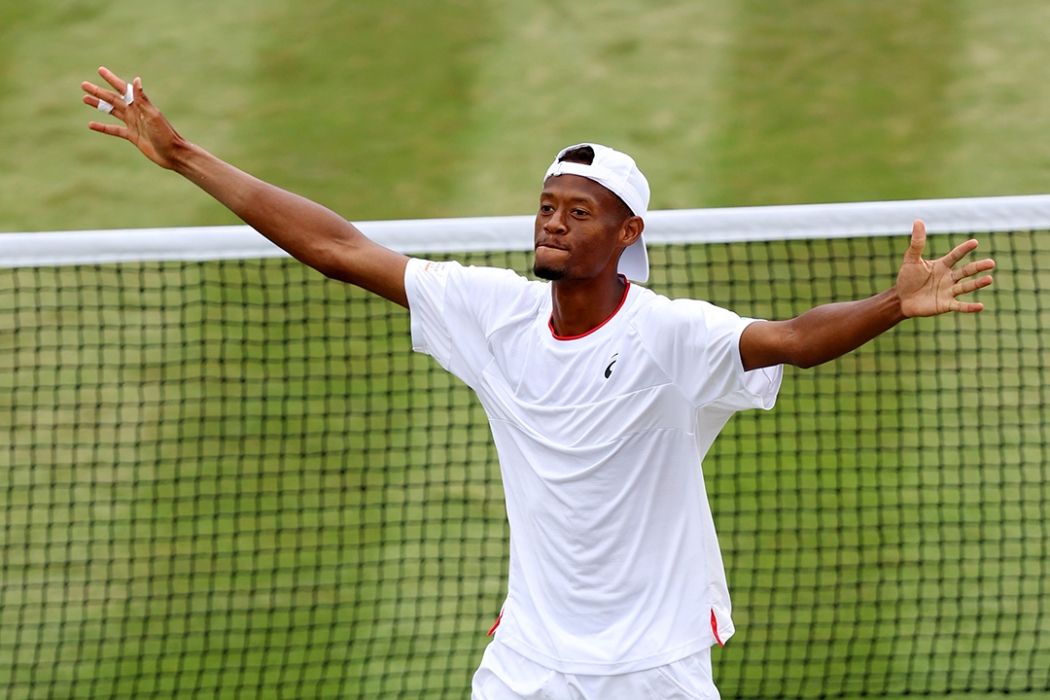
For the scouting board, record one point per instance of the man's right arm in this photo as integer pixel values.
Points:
(311, 233)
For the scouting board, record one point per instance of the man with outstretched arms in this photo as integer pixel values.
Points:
(603, 398)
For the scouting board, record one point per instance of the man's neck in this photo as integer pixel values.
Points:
(580, 306)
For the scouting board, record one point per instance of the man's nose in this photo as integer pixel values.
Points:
(555, 223)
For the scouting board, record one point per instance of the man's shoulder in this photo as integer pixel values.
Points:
(473, 274)
(491, 295)
(661, 311)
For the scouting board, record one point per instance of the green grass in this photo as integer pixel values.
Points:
(851, 109)
(454, 108)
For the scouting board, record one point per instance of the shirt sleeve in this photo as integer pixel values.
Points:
(700, 345)
(425, 284)
(454, 309)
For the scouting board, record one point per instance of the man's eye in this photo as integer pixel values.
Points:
(579, 212)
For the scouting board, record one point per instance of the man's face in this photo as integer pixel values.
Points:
(578, 229)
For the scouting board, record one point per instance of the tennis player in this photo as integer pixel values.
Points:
(603, 398)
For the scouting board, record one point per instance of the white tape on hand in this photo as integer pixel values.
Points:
(129, 97)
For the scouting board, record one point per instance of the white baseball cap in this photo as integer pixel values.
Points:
(618, 173)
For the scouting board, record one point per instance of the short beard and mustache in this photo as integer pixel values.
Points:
(547, 273)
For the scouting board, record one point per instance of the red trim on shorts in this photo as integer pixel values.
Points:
(550, 323)
(714, 628)
(499, 619)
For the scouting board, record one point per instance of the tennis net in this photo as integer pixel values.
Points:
(223, 476)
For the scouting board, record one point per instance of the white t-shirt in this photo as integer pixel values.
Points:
(614, 561)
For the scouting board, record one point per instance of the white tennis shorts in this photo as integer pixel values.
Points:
(505, 674)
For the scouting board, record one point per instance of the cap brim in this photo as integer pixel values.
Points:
(634, 262)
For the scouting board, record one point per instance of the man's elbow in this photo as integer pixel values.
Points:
(800, 353)
(325, 263)
(336, 260)
(805, 362)
(785, 347)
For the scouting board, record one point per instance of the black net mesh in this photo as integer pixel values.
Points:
(235, 480)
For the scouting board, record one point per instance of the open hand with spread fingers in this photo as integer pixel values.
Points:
(143, 124)
(932, 287)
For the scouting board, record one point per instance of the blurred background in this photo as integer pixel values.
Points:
(433, 108)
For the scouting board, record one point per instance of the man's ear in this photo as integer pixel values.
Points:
(631, 230)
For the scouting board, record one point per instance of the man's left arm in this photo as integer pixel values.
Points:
(923, 288)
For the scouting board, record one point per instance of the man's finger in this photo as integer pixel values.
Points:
(101, 94)
(959, 252)
(973, 268)
(119, 84)
(99, 104)
(971, 285)
(967, 307)
(918, 242)
(135, 90)
(111, 129)
(108, 101)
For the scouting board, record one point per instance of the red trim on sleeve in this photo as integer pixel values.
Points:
(498, 620)
(714, 628)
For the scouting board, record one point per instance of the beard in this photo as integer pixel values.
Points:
(550, 274)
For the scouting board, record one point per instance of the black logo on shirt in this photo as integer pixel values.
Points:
(608, 370)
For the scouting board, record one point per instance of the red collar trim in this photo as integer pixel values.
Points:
(550, 321)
